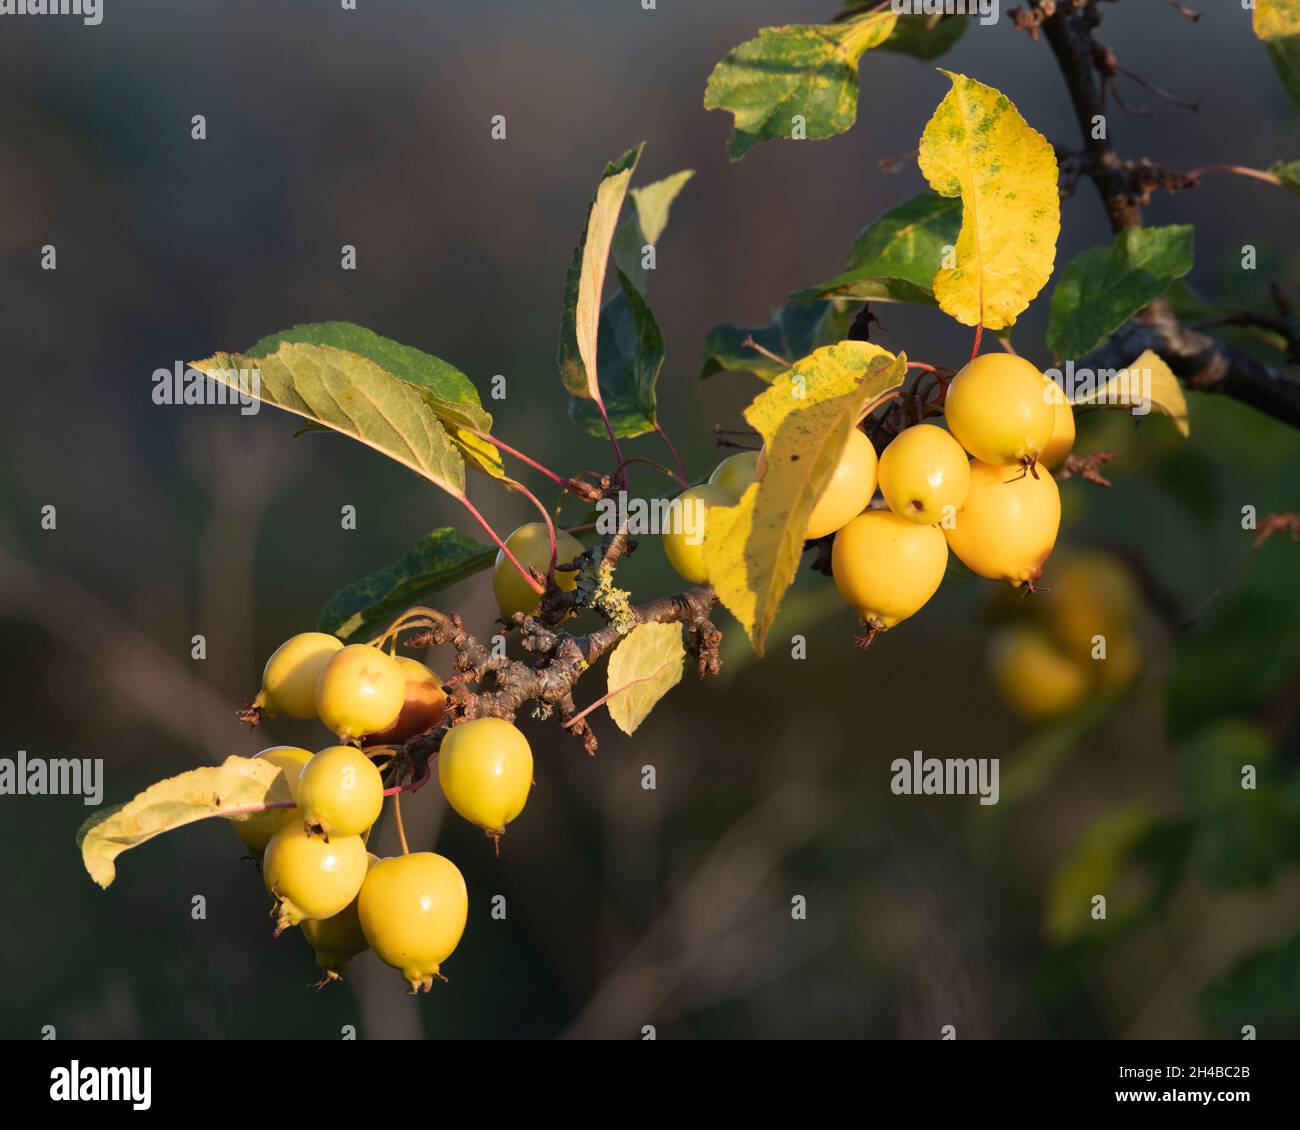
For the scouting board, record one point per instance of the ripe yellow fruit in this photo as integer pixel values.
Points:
(735, 473)
(485, 768)
(360, 690)
(924, 475)
(1008, 526)
(256, 830)
(1092, 594)
(309, 877)
(1062, 441)
(688, 520)
(340, 792)
(289, 678)
(849, 490)
(887, 567)
(337, 940)
(422, 709)
(531, 545)
(413, 910)
(998, 409)
(1032, 675)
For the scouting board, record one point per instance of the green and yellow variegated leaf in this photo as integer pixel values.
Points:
(752, 549)
(978, 147)
(1147, 383)
(580, 316)
(644, 667)
(807, 71)
(350, 394)
(214, 790)
(1277, 23)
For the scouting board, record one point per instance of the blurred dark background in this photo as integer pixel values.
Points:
(625, 907)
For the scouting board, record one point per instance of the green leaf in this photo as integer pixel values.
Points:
(805, 71)
(895, 257)
(629, 357)
(645, 225)
(580, 316)
(1103, 287)
(794, 332)
(925, 37)
(1277, 23)
(1288, 175)
(448, 392)
(1095, 867)
(353, 395)
(644, 667)
(1259, 990)
(436, 562)
(1244, 837)
(214, 790)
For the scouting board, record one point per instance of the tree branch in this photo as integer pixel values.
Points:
(1200, 362)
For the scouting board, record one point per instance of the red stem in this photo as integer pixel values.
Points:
(979, 336)
(681, 467)
(559, 480)
(546, 517)
(527, 576)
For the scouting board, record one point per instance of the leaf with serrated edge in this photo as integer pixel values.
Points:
(795, 331)
(895, 257)
(644, 667)
(436, 562)
(978, 147)
(752, 549)
(448, 392)
(214, 790)
(1103, 287)
(1147, 378)
(810, 70)
(353, 395)
(580, 317)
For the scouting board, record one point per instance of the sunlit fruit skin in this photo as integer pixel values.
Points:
(924, 475)
(998, 409)
(1092, 594)
(1062, 441)
(485, 767)
(309, 877)
(423, 706)
(338, 939)
(340, 792)
(887, 567)
(735, 473)
(531, 545)
(849, 490)
(1033, 676)
(1008, 525)
(360, 690)
(256, 830)
(413, 910)
(289, 678)
(683, 540)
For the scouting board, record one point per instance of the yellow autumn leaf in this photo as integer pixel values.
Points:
(752, 549)
(1147, 383)
(214, 790)
(978, 147)
(644, 668)
(1276, 19)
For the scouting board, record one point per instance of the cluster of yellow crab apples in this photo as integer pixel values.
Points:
(410, 909)
(982, 489)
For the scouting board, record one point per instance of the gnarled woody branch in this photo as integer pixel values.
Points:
(1200, 362)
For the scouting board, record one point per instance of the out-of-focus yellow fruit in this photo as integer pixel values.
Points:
(688, 520)
(924, 475)
(256, 830)
(1032, 675)
(1122, 663)
(998, 409)
(887, 567)
(735, 473)
(1062, 441)
(531, 545)
(1092, 594)
(1008, 526)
